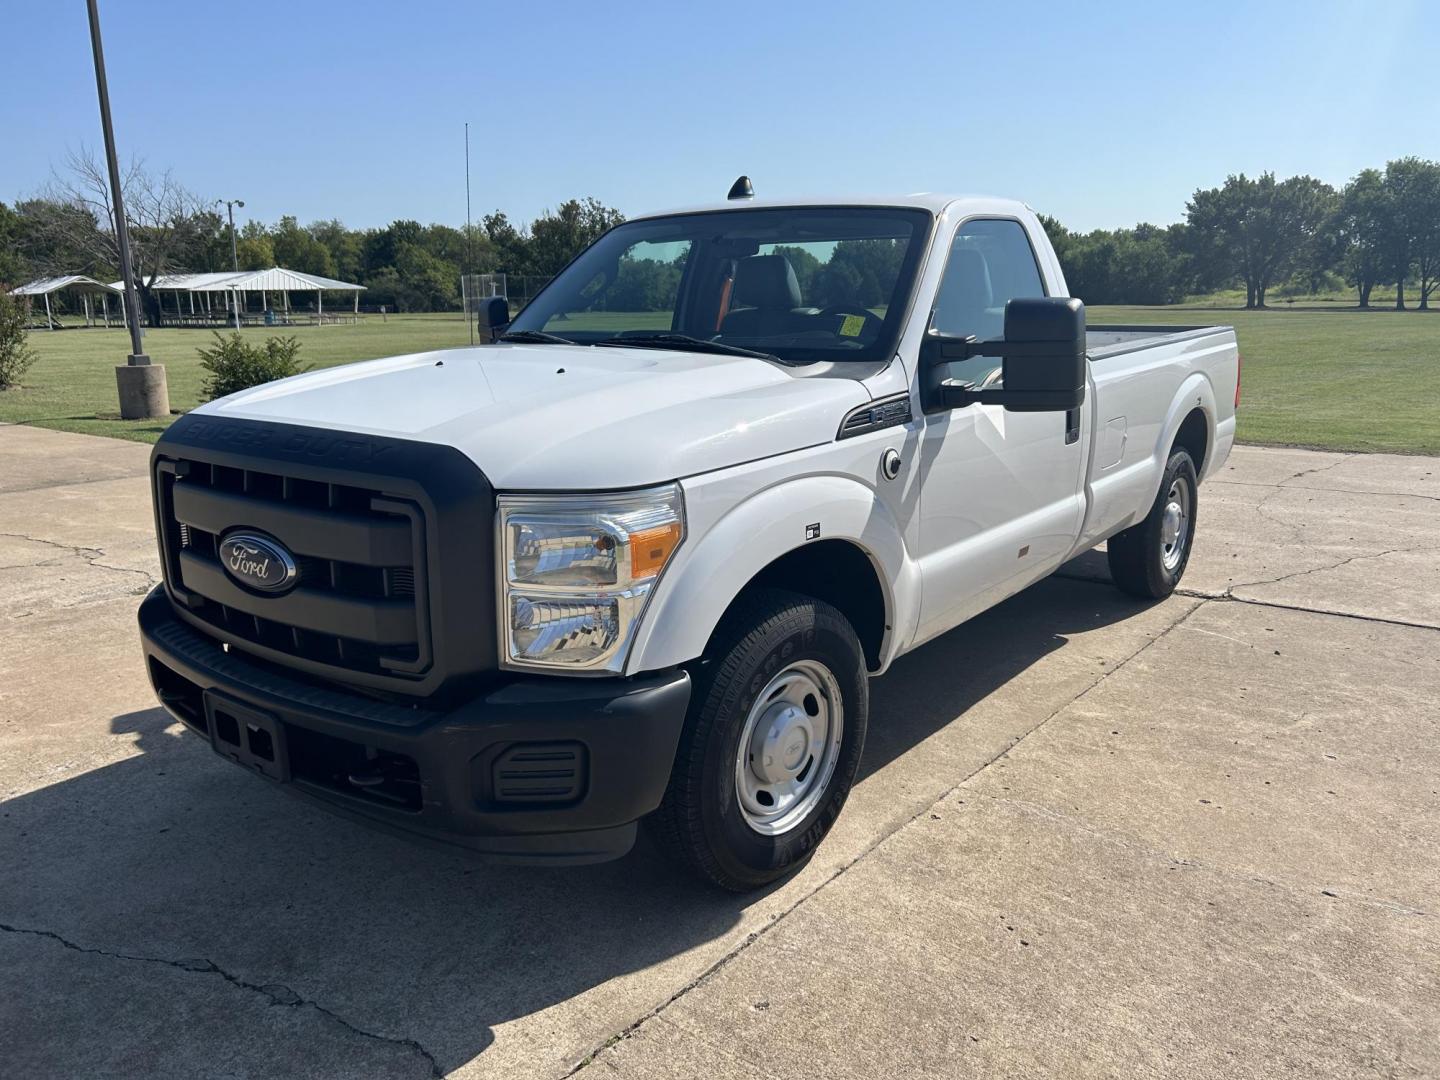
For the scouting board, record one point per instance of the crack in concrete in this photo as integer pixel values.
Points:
(91, 556)
(276, 993)
(1225, 598)
(1318, 569)
(750, 939)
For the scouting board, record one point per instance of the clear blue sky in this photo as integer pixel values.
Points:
(1103, 114)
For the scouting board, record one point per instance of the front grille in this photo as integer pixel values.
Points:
(393, 542)
(358, 604)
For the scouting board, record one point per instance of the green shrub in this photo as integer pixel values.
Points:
(16, 356)
(234, 364)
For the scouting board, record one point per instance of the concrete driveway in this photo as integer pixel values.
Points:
(1199, 838)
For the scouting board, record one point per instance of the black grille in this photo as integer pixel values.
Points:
(393, 541)
(357, 604)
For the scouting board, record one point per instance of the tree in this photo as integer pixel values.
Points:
(296, 249)
(1257, 229)
(254, 249)
(343, 245)
(164, 219)
(14, 269)
(1360, 222)
(556, 238)
(1411, 224)
(16, 356)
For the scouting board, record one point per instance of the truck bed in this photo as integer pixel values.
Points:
(1102, 340)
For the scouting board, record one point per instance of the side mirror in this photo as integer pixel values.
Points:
(1043, 357)
(494, 315)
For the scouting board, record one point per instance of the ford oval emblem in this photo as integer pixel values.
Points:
(258, 562)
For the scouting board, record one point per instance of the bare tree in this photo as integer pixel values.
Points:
(165, 220)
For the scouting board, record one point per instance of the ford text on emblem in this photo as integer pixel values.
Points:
(257, 562)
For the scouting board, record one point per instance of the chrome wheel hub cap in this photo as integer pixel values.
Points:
(789, 747)
(1175, 524)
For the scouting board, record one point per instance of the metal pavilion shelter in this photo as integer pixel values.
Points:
(87, 288)
(194, 296)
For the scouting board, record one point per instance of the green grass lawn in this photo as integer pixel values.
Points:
(1331, 377)
(72, 385)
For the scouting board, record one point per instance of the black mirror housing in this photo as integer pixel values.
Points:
(1042, 353)
(1049, 373)
(495, 312)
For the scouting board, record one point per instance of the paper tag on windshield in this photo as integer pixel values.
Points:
(852, 326)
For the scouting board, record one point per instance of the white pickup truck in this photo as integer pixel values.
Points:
(638, 557)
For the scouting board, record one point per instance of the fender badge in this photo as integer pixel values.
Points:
(812, 532)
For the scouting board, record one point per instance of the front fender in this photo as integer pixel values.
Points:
(728, 546)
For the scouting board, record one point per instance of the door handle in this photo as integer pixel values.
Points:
(1072, 426)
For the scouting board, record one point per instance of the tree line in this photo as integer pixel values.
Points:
(1298, 235)
(65, 229)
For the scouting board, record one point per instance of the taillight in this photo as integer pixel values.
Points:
(1239, 362)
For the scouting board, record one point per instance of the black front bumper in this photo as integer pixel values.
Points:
(533, 769)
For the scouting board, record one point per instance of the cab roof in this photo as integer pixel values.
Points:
(935, 202)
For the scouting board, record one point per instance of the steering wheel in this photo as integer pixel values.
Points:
(842, 310)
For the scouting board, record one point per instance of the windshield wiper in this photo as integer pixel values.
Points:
(687, 343)
(536, 337)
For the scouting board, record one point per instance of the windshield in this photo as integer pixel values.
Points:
(801, 284)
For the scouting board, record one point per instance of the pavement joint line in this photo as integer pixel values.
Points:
(276, 993)
(1330, 491)
(1137, 846)
(1228, 597)
(74, 483)
(755, 935)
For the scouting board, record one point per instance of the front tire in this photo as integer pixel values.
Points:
(771, 743)
(1149, 558)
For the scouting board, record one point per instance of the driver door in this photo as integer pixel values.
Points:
(1000, 491)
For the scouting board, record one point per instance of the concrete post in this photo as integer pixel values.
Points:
(143, 391)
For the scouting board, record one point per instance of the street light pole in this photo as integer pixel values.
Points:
(141, 385)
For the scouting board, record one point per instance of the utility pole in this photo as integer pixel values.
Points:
(230, 205)
(141, 384)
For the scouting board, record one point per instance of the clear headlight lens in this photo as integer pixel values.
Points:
(577, 572)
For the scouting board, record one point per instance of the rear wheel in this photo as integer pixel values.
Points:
(771, 743)
(1148, 559)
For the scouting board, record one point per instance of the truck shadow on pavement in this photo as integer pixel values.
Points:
(177, 857)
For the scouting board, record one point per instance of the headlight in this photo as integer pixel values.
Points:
(576, 572)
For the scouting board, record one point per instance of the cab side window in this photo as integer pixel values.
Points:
(991, 262)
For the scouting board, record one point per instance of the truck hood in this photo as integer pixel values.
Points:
(555, 417)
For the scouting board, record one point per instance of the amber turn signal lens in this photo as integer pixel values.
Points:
(650, 549)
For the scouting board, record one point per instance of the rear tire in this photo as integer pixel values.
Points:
(771, 743)
(1149, 558)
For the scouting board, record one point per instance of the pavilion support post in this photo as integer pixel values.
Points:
(357, 306)
(320, 306)
(85, 300)
(105, 307)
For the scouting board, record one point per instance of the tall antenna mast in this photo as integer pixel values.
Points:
(469, 258)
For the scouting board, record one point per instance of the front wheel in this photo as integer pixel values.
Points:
(1149, 558)
(771, 744)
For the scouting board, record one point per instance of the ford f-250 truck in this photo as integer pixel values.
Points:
(637, 558)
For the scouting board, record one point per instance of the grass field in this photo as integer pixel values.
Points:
(1333, 378)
